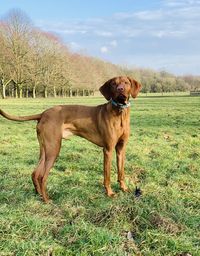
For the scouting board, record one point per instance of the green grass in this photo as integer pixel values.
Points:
(163, 158)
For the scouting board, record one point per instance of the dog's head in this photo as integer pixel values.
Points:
(120, 88)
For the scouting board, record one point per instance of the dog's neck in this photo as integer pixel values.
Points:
(120, 106)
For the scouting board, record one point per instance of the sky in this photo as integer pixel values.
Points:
(155, 34)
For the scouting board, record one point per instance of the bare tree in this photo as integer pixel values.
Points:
(4, 77)
(17, 34)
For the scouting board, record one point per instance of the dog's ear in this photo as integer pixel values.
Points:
(105, 89)
(135, 87)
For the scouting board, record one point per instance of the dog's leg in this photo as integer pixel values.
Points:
(107, 170)
(36, 175)
(49, 138)
(120, 153)
(52, 149)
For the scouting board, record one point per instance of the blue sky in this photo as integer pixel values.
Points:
(157, 34)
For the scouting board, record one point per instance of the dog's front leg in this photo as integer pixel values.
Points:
(107, 169)
(120, 153)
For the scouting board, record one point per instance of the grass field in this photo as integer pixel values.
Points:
(163, 158)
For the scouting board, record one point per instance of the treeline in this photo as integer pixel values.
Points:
(34, 63)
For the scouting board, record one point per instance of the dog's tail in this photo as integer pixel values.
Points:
(20, 118)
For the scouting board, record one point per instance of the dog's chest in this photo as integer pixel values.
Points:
(119, 126)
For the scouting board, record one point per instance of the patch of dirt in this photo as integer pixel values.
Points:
(166, 223)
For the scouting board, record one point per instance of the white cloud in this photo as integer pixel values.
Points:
(74, 46)
(113, 43)
(142, 15)
(66, 31)
(149, 15)
(104, 49)
(168, 34)
(103, 33)
(180, 3)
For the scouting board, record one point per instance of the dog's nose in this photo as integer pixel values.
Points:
(120, 88)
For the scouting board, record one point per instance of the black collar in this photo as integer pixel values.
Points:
(120, 105)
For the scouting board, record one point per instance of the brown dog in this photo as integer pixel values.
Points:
(106, 125)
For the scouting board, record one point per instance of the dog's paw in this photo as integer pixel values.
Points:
(126, 190)
(111, 194)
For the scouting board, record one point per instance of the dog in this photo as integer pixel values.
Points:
(106, 125)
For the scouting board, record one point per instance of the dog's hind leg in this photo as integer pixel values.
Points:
(52, 149)
(37, 173)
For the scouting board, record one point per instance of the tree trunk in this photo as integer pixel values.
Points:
(34, 92)
(4, 87)
(15, 92)
(70, 92)
(12, 93)
(20, 93)
(45, 92)
(54, 92)
(62, 94)
(3, 91)
(27, 92)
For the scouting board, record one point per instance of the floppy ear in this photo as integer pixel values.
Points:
(105, 89)
(135, 87)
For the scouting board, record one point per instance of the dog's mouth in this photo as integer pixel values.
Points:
(121, 99)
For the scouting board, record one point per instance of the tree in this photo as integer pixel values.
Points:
(4, 77)
(17, 35)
